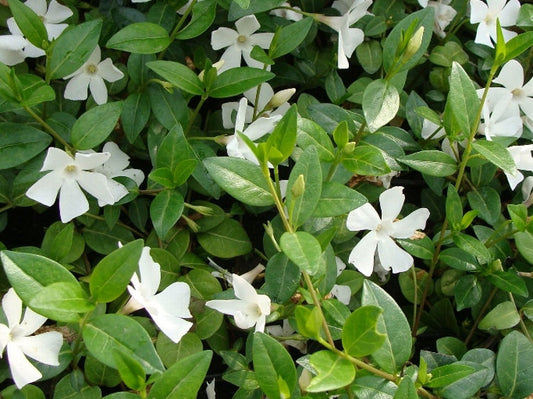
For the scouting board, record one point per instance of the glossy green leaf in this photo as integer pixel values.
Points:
(486, 201)
(309, 321)
(94, 126)
(473, 247)
(332, 370)
(241, 179)
(309, 133)
(235, 81)
(303, 249)
(113, 273)
(184, 379)
(459, 259)
(130, 370)
(165, 210)
(282, 278)
(359, 334)
(203, 15)
(381, 102)
(496, 153)
(366, 160)
(503, 315)
(509, 281)
(273, 366)
(467, 292)
(371, 386)
(171, 352)
(518, 214)
(422, 248)
(463, 99)
(169, 109)
(445, 375)
(406, 389)
(289, 37)
(226, 240)
(518, 44)
(29, 23)
(431, 162)
(20, 143)
(396, 349)
(513, 366)
(179, 75)
(135, 115)
(140, 38)
(524, 244)
(454, 208)
(283, 137)
(337, 199)
(72, 48)
(107, 333)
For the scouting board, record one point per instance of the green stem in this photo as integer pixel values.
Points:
(522, 324)
(6, 207)
(480, 315)
(49, 129)
(177, 28)
(78, 343)
(194, 115)
(134, 231)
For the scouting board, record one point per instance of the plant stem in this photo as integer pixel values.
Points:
(134, 231)
(522, 324)
(49, 129)
(177, 28)
(480, 315)
(194, 115)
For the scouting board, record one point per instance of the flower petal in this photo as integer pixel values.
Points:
(509, 14)
(483, 34)
(55, 30)
(259, 323)
(362, 256)
(12, 307)
(96, 184)
(342, 292)
(37, 6)
(108, 71)
(511, 75)
(32, 321)
(262, 40)
(150, 272)
(98, 90)
(175, 299)
(43, 347)
(46, 188)
(406, 227)
(118, 159)
(87, 161)
(72, 201)
(243, 289)
(393, 257)
(391, 202)
(247, 25)
(478, 11)
(173, 327)
(226, 306)
(76, 88)
(22, 371)
(56, 159)
(57, 12)
(363, 218)
(223, 37)
(261, 127)
(231, 58)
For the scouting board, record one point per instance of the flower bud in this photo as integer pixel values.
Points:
(298, 188)
(217, 65)
(414, 43)
(280, 98)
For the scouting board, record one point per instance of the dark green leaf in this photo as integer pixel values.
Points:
(179, 75)
(165, 210)
(303, 249)
(359, 334)
(463, 99)
(140, 38)
(381, 102)
(226, 240)
(289, 37)
(431, 162)
(20, 143)
(509, 281)
(94, 126)
(514, 368)
(29, 23)
(237, 80)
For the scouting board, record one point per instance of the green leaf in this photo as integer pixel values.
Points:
(62, 301)
(447, 54)
(381, 102)
(459, 259)
(241, 179)
(203, 15)
(289, 37)
(486, 201)
(370, 56)
(179, 75)
(105, 334)
(496, 153)
(165, 210)
(94, 126)
(431, 163)
(29, 23)
(422, 248)
(463, 99)
(283, 137)
(28, 273)
(303, 249)
(273, 366)
(451, 346)
(473, 246)
(509, 281)
(113, 273)
(301, 205)
(140, 38)
(371, 386)
(235, 81)
(524, 243)
(333, 371)
(20, 143)
(518, 214)
(308, 321)
(504, 315)
(337, 199)
(184, 379)
(72, 48)
(445, 375)
(366, 160)
(514, 369)
(282, 278)
(518, 44)
(226, 240)
(359, 334)
(454, 208)
(169, 109)
(406, 389)
(310, 133)
(135, 114)
(103, 240)
(130, 370)
(57, 241)
(467, 292)
(34, 90)
(396, 349)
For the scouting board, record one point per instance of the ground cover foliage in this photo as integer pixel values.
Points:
(255, 199)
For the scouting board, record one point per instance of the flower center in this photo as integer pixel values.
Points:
(71, 169)
(490, 18)
(518, 93)
(242, 39)
(91, 69)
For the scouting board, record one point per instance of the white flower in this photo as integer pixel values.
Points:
(286, 13)
(514, 95)
(248, 310)
(349, 38)
(431, 130)
(240, 42)
(51, 17)
(499, 122)
(12, 49)
(487, 14)
(527, 188)
(444, 14)
(523, 160)
(285, 330)
(116, 166)
(17, 337)
(383, 230)
(66, 176)
(92, 75)
(210, 390)
(235, 146)
(169, 307)
(342, 292)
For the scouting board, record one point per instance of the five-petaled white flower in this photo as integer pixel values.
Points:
(514, 95)
(383, 230)
(12, 49)
(92, 75)
(167, 308)
(444, 14)
(51, 16)
(66, 176)
(523, 160)
(250, 309)
(486, 15)
(240, 42)
(235, 145)
(349, 38)
(17, 337)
